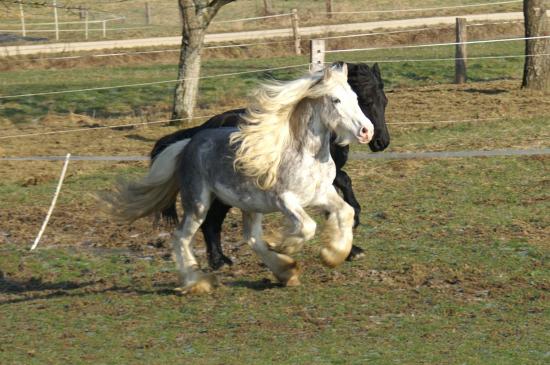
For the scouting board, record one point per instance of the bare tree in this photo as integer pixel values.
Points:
(196, 17)
(536, 72)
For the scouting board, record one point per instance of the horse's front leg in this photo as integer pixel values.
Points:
(300, 229)
(343, 183)
(212, 230)
(339, 229)
(283, 267)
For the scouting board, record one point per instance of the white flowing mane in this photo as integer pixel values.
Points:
(269, 127)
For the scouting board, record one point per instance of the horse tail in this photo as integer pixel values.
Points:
(157, 190)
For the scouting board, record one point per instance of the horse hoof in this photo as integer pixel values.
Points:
(217, 263)
(332, 257)
(289, 277)
(293, 281)
(355, 253)
(204, 285)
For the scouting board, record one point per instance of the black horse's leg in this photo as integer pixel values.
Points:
(170, 215)
(212, 230)
(343, 183)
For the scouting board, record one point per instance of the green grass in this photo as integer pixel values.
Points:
(456, 272)
(469, 136)
(406, 73)
(135, 101)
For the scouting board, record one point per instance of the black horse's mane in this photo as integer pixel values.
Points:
(361, 76)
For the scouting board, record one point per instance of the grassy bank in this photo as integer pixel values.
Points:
(221, 92)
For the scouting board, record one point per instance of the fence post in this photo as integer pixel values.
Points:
(147, 14)
(328, 4)
(460, 51)
(86, 25)
(317, 55)
(81, 12)
(55, 20)
(296, 31)
(268, 8)
(104, 29)
(22, 16)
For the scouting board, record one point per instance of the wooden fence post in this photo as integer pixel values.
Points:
(317, 55)
(104, 29)
(22, 16)
(296, 31)
(147, 14)
(55, 20)
(86, 25)
(328, 4)
(460, 51)
(268, 8)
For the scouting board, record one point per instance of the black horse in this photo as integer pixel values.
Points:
(366, 83)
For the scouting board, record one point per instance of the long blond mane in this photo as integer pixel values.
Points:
(270, 127)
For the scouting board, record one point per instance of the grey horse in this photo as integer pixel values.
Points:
(278, 160)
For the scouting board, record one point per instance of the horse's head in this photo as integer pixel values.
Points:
(368, 85)
(342, 113)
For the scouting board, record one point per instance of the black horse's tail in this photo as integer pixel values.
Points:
(228, 119)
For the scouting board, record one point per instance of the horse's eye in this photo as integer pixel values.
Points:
(335, 100)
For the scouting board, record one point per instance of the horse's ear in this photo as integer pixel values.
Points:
(376, 71)
(327, 74)
(336, 66)
(345, 69)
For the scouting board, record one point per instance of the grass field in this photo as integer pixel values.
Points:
(456, 272)
(165, 16)
(457, 265)
(456, 269)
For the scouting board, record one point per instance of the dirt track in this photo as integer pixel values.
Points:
(251, 35)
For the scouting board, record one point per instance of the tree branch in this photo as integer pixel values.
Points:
(212, 9)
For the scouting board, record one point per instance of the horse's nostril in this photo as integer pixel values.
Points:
(364, 131)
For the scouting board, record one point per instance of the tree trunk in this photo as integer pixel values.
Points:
(196, 15)
(185, 96)
(536, 72)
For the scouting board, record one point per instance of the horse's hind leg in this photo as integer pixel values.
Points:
(192, 278)
(283, 267)
(339, 229)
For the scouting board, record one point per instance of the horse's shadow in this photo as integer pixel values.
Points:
(140, 138)
(487, 92)
(257, 285)
(17, 291)
(11, 286)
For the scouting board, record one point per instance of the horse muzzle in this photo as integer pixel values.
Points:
(365, 134)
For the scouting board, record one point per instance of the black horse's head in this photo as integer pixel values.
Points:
(367, 83)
